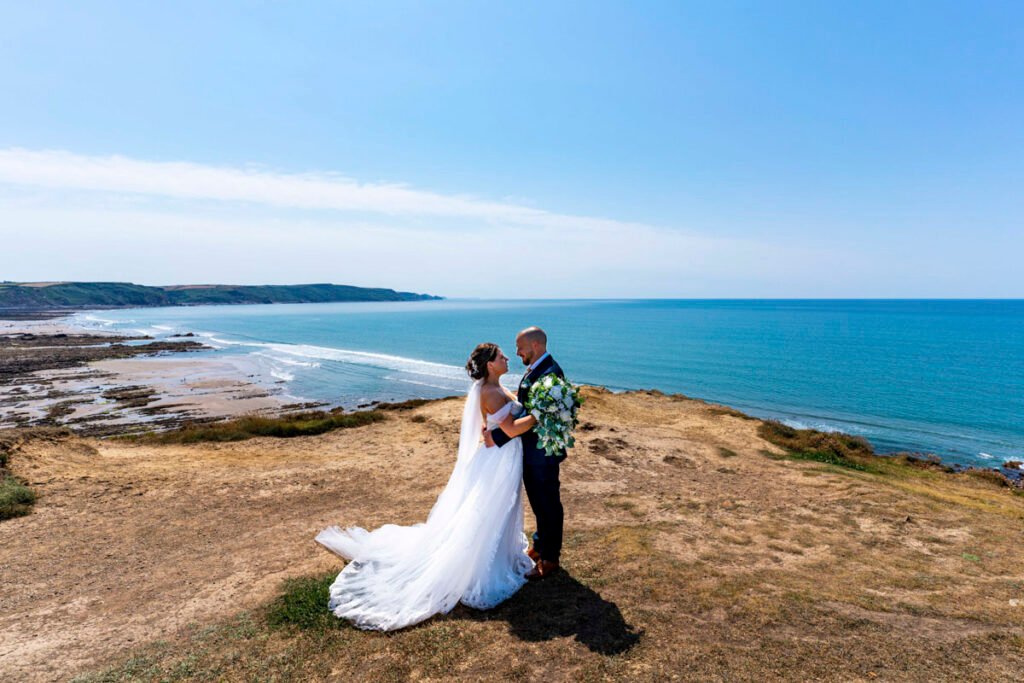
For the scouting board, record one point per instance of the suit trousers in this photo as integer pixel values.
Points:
(540, 476)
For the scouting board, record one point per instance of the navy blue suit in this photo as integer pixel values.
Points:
(540, 473)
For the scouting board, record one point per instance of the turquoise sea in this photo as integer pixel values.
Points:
(924, 375)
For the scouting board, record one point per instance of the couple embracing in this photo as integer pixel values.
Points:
(471, 549)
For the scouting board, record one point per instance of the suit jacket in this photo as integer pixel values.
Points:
(530, 448)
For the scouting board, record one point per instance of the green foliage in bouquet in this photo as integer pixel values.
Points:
(555, 403)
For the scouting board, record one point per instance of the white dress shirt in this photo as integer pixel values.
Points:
(536, 363)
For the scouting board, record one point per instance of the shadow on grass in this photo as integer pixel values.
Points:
(559, 607)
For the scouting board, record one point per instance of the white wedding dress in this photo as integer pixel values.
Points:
(471, 548)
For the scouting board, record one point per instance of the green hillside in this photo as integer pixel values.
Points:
(60, 295)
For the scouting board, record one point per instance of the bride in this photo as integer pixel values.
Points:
(471, 549)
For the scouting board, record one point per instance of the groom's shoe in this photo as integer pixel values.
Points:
(533, 554)
(543, 570)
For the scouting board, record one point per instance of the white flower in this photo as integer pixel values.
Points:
(556, 393)
(536, 414)
(549, 381)
(565, 416)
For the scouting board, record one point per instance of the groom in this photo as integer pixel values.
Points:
(540, 471)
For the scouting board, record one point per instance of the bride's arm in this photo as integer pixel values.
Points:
(514, 427)
(491, 401)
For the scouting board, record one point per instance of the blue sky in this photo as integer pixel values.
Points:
(651, 149)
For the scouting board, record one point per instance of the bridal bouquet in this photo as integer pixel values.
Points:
(554, 403)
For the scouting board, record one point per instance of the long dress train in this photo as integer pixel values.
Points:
(471, 548)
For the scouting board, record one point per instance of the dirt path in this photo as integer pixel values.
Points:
(128, 544)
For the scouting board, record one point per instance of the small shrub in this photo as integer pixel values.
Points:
(16, 499)
(9, 440)
(833, 448)
(843, 445)
(404, 405)
(829, 459)
(726, 452)
(731, 412)
(284, 427)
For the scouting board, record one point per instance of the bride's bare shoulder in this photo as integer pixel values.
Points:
(493, 398)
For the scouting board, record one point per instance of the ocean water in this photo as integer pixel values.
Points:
(945, 377)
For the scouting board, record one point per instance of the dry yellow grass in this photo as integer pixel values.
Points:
(693, 552)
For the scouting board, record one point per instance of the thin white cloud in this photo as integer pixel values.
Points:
(67, 239)
(69, 216)
(182, 180)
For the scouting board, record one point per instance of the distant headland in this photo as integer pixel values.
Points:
(42, 296)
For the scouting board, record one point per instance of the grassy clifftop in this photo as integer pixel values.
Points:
(700, 544)
(38, 296)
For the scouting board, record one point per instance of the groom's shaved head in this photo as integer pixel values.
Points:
(531, 344)
(534, 335)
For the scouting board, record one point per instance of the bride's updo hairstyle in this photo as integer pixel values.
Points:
(483, 354)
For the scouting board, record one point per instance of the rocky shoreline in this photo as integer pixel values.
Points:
(32, 314)
(102, 384)
(24, 354)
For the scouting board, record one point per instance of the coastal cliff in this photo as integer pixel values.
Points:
(84, 295)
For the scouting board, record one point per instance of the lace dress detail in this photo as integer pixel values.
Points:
(471, 548)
